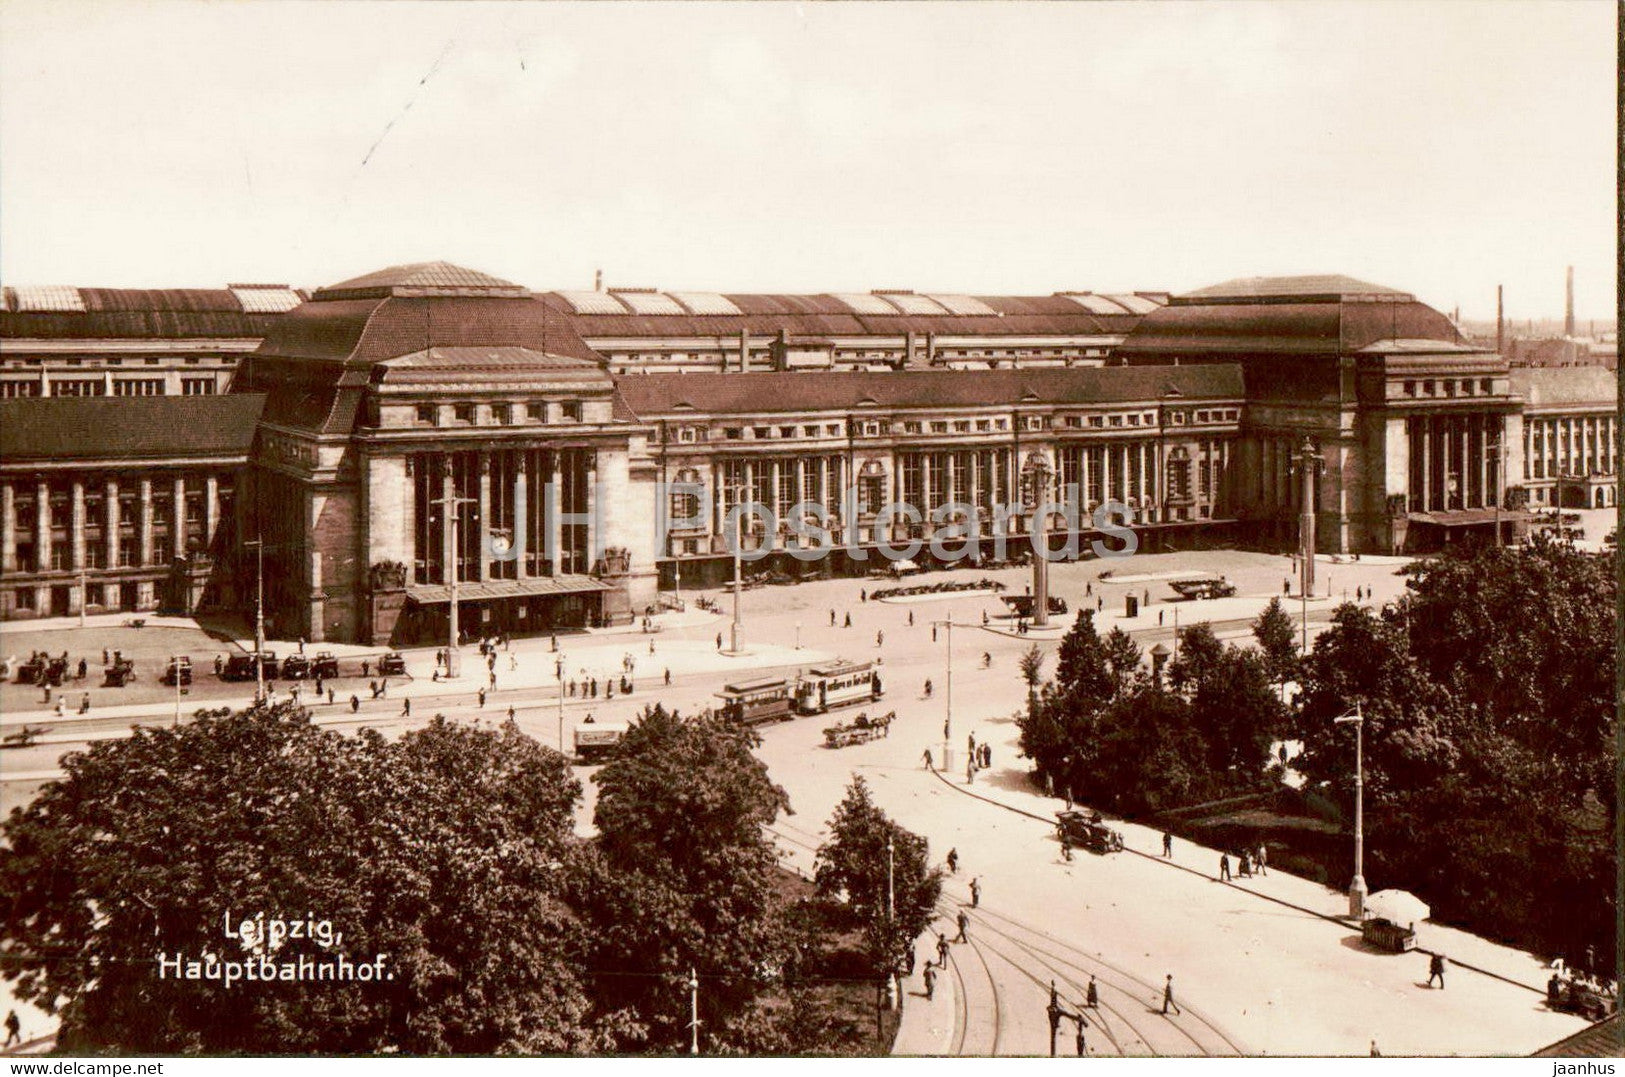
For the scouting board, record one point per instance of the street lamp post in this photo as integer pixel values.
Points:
(559, 670)
(259, 616)
(1357, 890)
(1037, 475)
(948, 695)
(450, 504)
(175, 664)
(738, 541)
(1308, 462)
(892, 992)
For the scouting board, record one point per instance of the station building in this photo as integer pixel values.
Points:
(567, 455)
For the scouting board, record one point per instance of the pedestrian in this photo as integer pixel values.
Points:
(975, 892)
(493, 679)
(1167, 844)
(942, 949)
(719, 641)
(330, 697)
(1286, 587)
(1083, 1047)
(832, 618)
(1244, 862)
(964, 922)
(513, 663)
(481, 694)
(668, 678)
(14, 1028)
(911, 625)
(366, 667)
(84, 667)
(945, 736)
(848, 621)
(933, 630)
(987, 756)
(863, 595)
(1091, 997)
(301, 644)
(61, 707)
(880, 639)
(1224, 866)
(1089, 588)
(1262, 859)
(1436, 970)
(594, 688)
(355, 703)
(970, 744)
(930, 981)
(84, 703)
(1066, 849)
(928, 759)
(217, 660)
(406, 708)
(510, 713)
(1374, 1052)
(970, 772)
(1168, 996)
(953, 861)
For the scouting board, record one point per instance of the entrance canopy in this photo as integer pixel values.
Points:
(428, 594)
(1468, 517)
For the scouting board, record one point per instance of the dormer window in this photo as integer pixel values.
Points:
(463, 413)
(426, 415)
(570, 411)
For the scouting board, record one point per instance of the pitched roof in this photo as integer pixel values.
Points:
(127, 428)
(1605, 1039)
(653, 395)
(141, 313)
(1566, 385)
(1222, 328)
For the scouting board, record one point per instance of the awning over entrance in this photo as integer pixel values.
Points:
(1467, 517)
(428, 594)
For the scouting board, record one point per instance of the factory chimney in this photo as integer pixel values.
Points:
(598, 280)
(1500, 324)
(1568, 304)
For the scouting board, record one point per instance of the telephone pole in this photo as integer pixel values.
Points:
(948, 695)
(259, 616)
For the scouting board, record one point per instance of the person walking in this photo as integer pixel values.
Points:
(719, 641)
(1168, 996)
(668, 678)
(510, 713)
(84, 703)
(1224, 866)
(406, 708)
(928, 759)
(355, 703)
(1083, 1047)
(1167, 844)
(848, 622)
(1091, 996)
(482, 698)
(970, 772)
(953, 861)
(832, 618)
(911, 623)
(1066, 849)
(863, 594)
(942, 949)
(880, 639)
(930, 982)
(14, 1028)
(1436, 970)
(975, 892)
(1262, 859)
(964, 922)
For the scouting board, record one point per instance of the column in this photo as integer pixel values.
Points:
(177, 529)
(42, 526)
(111, 522)
(485, 514)
(211, 510)
(1105, 473)
(592, 511)
(77, 527)
(1139, 468)
(144, 525)
(554, 499)
(1425, 429)
(1486, 496)
(8, 528)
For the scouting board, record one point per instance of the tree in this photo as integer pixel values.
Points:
(683, 877)
(1278, 640)
(437, 852)
(1123, 658)
(892, 893)
(1031, 665)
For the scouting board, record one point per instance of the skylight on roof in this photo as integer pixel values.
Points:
(864, 303)
(48, 297)
(593, 302)
(1137, 304)
(266, 300)
(649, 303)
(1094, 304)
(962, 304)
(909, 303)
(705, 302)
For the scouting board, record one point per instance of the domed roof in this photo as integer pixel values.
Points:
(423, 279)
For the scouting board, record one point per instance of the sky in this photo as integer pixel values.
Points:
(1440, 148)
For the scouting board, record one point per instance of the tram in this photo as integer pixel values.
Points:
(842, 684)
(756, 702)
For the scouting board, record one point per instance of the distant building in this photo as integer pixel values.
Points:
(1570, 434)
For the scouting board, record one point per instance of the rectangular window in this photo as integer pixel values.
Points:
(732, 433)
(502, 413)
(426, 415)
(9, 389)
(79, 387)
(197, 386)
(463, 413)
(138, 387)
(570, 411)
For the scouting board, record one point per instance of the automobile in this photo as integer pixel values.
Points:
(119, 673)
(1384, 934)
(295, 667)
(179, 670)
(241, 667)
(392, 664)
(1087, 830)
(326, 665)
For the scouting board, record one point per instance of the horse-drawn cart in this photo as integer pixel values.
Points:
(859, 731)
